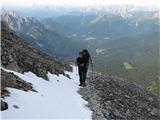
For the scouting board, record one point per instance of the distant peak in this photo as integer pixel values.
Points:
(12, 13)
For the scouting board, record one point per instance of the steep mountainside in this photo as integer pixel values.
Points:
(19, 56)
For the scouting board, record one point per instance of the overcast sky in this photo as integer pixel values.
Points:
(80, 2)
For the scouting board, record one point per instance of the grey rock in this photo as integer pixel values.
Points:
(13, 81)
(4, 106)
(15, 106)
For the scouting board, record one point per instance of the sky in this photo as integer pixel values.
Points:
(80, 2)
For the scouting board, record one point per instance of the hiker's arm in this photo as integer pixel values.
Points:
(91, 60)
(77, 63)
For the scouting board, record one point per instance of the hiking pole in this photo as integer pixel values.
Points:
(92, 71)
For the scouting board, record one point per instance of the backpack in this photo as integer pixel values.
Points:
(86, 55)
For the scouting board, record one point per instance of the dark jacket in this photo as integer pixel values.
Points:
(81, 62)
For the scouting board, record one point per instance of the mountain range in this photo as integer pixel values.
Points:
(62, 10)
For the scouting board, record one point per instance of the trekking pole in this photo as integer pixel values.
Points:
(92, 71)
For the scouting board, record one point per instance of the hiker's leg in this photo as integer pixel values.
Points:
(85, 74)
(84, 77)
(80, 76)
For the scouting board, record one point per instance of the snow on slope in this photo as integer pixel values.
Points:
(55, 99)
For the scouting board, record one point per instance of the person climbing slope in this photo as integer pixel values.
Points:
(83, 63)
(81, 69)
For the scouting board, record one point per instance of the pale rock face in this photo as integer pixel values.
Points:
(23, 25)
(17, 22)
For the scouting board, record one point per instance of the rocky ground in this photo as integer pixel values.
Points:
(9, 80)
(111, 98)
(12, 81)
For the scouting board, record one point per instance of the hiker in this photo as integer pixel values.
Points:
(83, 62)
(81, 69)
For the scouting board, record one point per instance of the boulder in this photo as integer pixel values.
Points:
(4, 105)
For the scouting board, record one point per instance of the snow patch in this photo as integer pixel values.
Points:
(55, 99)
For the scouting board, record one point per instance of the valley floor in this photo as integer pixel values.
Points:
(55, 99)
